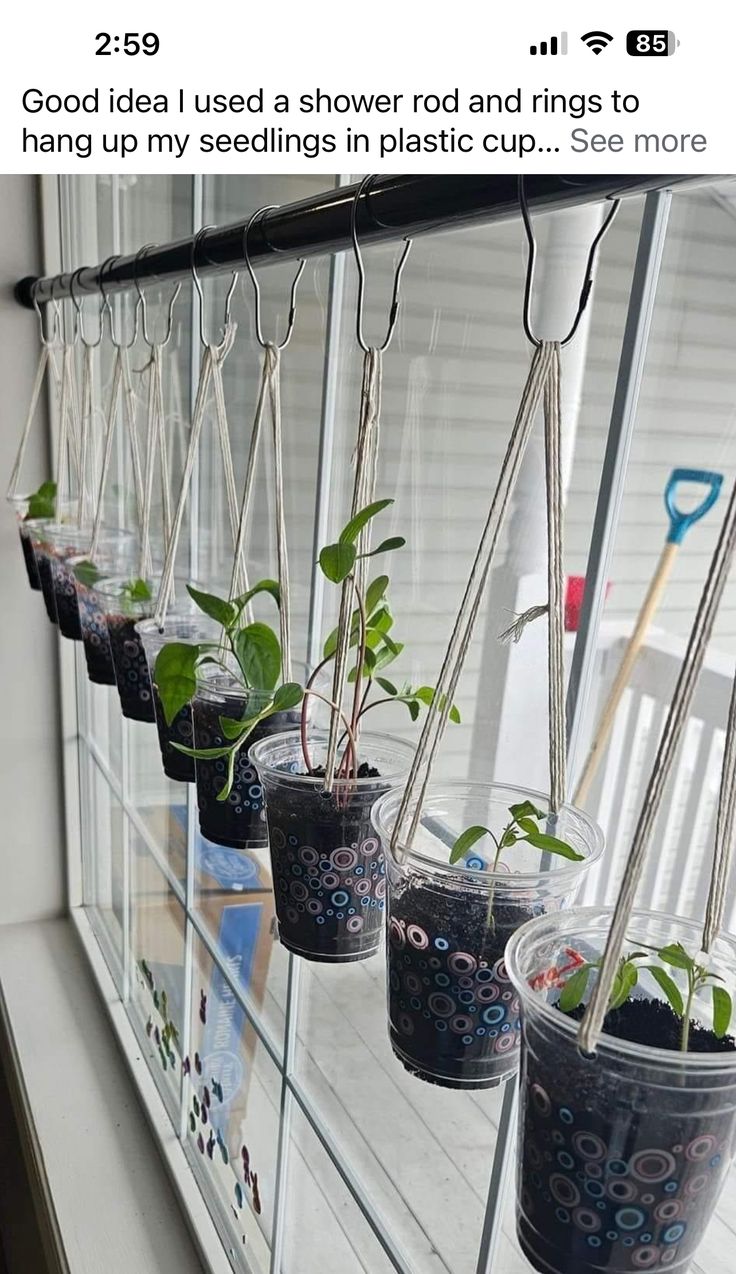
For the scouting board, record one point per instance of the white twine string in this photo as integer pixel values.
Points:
(219, 354)
(592, 1022)
(364, 487)
(157, 372)
(112, 411)
(153, 437)
(272, 362)
(555, 586)
(85, 449)
(544, 364)
(723, 849)
(46, 364)
(129, 420)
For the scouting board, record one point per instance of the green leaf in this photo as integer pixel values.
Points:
(231, 728)
(525, 809)
(289, 695)
(540, 840)
(375, 593)
(175, 675)
(676, 955)
(202, 754)
(258, 652)
(87, 573)
(337, 561)
(217, 608)
(669, 986)
(42, 503)
(722, 1010)
(386, 546)
(426, 694)
(381, 621)
(352, 530)
(388, 686)
(466, 840)
(389, 651)
(414, 708)
(263, 586)
(574, 989)
(624, 983)
(137, 590)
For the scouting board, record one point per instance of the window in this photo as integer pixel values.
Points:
(314, 1149)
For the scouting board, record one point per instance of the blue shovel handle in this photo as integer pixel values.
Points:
(680, 523)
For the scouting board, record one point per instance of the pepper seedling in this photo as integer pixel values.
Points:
(249, 652)
(42, 504)
(370, 625)
(522, 828)
(698, 977)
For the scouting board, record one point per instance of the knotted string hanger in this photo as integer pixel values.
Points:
(156, 440)
(542, 387)
(592, 1022)
(87, 448)
(269, 391)
(364, 482)
(68, 459)
(210, 376)
(46, 364)
(121, 390)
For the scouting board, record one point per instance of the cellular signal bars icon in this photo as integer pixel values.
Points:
(552, 46)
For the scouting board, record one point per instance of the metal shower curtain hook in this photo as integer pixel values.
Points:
(48, 341)
(78, 304)
(198, 285)
(279, 345)
(531, 263)
(118, 344)
(395, 296)
(144, 305)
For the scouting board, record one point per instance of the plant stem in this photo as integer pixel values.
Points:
(685, 1032)
(352, 746)
(303, 724)
(362, 645)
(492, 891)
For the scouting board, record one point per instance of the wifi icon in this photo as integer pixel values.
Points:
(597, 41)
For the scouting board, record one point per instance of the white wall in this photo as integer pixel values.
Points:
(31, 861)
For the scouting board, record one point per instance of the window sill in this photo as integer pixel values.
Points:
(103, 1197)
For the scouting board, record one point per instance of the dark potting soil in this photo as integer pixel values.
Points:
(97, 652)
(365, 771)
(328, 868)
(620, 1170)
(43, 562)
(454, 1016)
(654, 1023)
(67, 608)
(30, 560)
(241, 820)
(176, 765)
(131, 668)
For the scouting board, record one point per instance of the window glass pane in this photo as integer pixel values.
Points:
(103, 862)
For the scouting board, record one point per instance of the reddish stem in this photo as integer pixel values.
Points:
(303, 720)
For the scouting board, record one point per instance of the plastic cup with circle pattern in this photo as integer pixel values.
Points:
(453, 1013)
(19, 505)
(240, 821)
(66, 543)
(91, 610)
(328, 865)
(123, 609)
(623, 1153)
(41, 531)
(184, 623)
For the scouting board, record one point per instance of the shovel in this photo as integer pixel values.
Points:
(680, 524)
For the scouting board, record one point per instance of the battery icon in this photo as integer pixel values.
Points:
(651, 44)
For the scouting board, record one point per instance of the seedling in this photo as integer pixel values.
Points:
(250, 652)
(522, 828)
(697, 977)
(42, 504)
(371, 622)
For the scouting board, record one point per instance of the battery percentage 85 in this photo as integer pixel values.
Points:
(651, 44)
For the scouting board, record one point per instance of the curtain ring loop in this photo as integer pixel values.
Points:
(395, 296)
(48, 341)
(198, 285)
(78, 304)
(279, 345)
(144, 306)
(587, 287)
(118, 344)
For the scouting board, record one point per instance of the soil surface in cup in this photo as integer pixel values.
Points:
(454, 1016)
(30, 560)
(176, 765)
(131, 668)
(241, 819)
(615, 1174)
(97, 652)
(65, 594)
(329, 870)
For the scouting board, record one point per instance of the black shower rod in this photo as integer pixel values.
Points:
(390, 208)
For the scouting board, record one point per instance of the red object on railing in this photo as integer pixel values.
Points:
(574, 594)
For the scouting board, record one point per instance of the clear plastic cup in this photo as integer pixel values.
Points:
(328, 864)
(122, 613)
(19, 505)
(453, 1013)
(623, 1154)
(36, 529)
(239, 822)
(184, 623)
